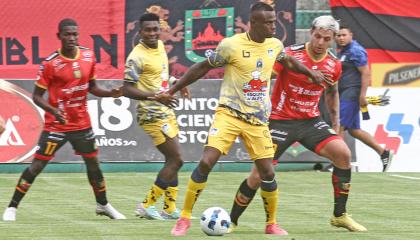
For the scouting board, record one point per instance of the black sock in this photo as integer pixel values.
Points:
(240, 204)
(24, 183)
(341, 183)
(97, 181)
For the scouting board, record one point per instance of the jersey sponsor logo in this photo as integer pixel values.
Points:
(75, 88)
(203, 30)
(24, 124)
(246, 54)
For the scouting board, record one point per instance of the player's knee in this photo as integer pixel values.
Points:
(205, 165)
(175, 163)
(267, 175)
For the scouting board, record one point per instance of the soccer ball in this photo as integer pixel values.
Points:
(215, 221)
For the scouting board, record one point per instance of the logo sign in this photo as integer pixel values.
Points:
(24, 123)
(402, 75)
(204, 29)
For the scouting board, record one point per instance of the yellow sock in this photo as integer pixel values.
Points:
(193, 192)
(270, 205)
(170, 199)
(152, 196)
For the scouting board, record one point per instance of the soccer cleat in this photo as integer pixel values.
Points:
(148, 213)
(181, 227)
(345, 221)
(275, 229)
(231, 228)
(9, 214)
(109, 211)
(386, 158)
(170, 216)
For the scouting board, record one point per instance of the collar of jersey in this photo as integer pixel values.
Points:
(76, 57)
(250, 39)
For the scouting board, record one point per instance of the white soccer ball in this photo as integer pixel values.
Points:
(215, 221)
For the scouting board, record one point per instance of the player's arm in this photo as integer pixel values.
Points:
(194, 73)
(41, 102)
(130, 90)
(293, 64)
(365, 77)
(100, 92)
(332, 104)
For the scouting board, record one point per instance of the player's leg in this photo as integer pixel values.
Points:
(259, 144)
(164, 135)
(283, 135)
(350, 120)
(196, 185)
(84, 144)
(169, 174)
(320, 138)
(222, 134)
(366, 138)
(269, 194)
(48, 144)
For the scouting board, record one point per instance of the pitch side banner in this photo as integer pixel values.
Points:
(390, 32)
(110, 28)
(396, 127)
(114, 123)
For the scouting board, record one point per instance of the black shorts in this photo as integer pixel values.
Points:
(312, 133)
(83, 142)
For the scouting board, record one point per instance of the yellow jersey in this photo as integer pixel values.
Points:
(246, 83)
(148, 69)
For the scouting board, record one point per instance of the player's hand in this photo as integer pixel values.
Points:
(185, 93)
(165, 98)
(59, 116)
(321, 78)
(362, 101)
(116, 92)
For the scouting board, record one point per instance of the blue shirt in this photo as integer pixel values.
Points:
(351, 56)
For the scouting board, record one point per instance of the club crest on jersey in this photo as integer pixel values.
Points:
(76, 70)
(270, 53)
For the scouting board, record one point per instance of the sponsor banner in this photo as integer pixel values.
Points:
(193, 28)
(28, 34)
(117, 134)
(395, 74)
(110, 28)
(396, 127)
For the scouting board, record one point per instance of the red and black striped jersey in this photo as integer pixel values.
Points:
(67, 83)
(294, 96)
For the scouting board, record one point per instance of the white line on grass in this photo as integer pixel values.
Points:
(407, 177)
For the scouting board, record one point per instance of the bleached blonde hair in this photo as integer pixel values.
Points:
(326, 22)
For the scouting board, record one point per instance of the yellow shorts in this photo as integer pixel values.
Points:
(162, 129)
(226, 128)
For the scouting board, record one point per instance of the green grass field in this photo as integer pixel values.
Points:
(61, 206)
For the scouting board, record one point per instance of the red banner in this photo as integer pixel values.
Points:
(28, 34)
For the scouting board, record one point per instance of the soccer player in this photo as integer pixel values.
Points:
(352, 88)
(146, 74)
(68, 75)
(244, 108)
(295, 118)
